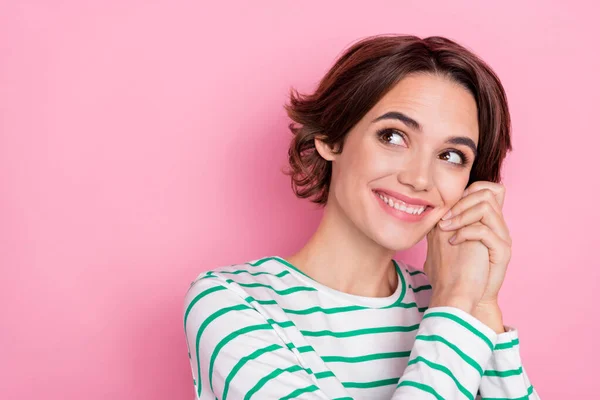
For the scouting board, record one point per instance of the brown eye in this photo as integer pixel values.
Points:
(453, 157)
(391, 136)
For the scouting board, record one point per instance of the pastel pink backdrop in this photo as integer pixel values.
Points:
(141, 142)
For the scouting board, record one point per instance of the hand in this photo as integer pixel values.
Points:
(478, 217)
(458, 273)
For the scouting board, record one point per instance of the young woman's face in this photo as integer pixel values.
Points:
(407, 161)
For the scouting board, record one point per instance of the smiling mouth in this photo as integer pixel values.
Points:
(400, 205)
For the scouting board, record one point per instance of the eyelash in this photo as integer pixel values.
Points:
(380, 134)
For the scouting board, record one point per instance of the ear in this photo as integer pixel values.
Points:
(326, 151)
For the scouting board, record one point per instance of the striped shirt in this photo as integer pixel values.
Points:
(266, 330)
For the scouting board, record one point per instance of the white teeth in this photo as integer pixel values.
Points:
(401, 206)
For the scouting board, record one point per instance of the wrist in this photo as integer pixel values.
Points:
(456, 302)
(491, 315)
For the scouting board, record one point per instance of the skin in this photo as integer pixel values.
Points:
(357, 239)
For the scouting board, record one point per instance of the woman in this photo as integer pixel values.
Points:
(404, 138)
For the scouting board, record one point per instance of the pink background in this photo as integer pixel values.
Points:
(141, 142)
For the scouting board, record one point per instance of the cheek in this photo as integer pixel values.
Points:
(361, 164)
(451, 187)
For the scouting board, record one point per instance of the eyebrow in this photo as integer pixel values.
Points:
(402, 117)
(459, 140)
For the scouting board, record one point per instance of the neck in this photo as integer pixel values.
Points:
(340, 256)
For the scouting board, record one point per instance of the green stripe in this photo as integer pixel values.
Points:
(298, 392)
(284, 324)
(263, 381)
(305, 349)
(402, 281)
(368, 385)
(226, 340)
(198, 297)
(316, 309)
(332, 310)
(526, 397)
(445, 370)
(243, 362)
(203, 327)
(424, 287)
(368, 357)
(510, 372)
(413, 273)
(507, 345)
(261, 261)
(403, 305)
(266, 302)
(462, 322)
(324, 374)
(357, 332)
(287, 264)
(335, 310)
(463, 355)
(243, 271)
(185, 318)
(421, 386)
(279, 292)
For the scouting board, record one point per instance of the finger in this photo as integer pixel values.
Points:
(498, 248)
(482, 212)
(482, 195)
(497, 188)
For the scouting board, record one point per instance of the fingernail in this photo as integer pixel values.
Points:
(444, 224)
(452, 239)
(448, 215)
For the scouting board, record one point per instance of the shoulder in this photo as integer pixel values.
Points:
(216, 292)
(235, 281)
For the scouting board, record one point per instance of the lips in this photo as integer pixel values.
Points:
(401, 206)
(408, 201)
(401, 211)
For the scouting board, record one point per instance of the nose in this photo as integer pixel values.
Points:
(417, 174)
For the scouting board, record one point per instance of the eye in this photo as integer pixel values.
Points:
(391, 136)
(454, 157)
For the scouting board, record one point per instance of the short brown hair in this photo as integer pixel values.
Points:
(362, 75)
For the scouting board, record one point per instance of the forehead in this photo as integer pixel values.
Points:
(441, 106)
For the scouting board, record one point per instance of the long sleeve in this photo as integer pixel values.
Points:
(504, 376)
(235, 353)
(448, 358)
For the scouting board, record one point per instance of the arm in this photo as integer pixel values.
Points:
(448, 358)
(236, 353)
(505, 376)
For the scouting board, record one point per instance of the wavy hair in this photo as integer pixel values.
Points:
(362, 75)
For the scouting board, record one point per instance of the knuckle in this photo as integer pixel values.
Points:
(489, 194)
(481, 230)
(486, 207)
(506, 255)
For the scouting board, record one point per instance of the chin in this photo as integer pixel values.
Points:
(396, 240)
